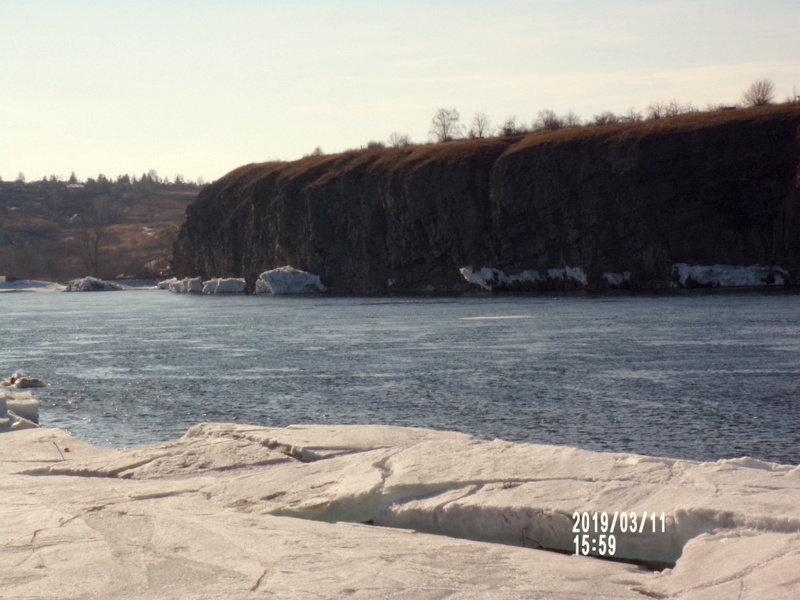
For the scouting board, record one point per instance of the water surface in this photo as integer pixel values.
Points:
(702, 377)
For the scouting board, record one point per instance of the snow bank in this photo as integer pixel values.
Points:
(288, 280)
(23, 404)
(91, 284)
(201, 510)
(188, 285)
(689, 276)
(224, 286)
(18, 410)
(492, 279)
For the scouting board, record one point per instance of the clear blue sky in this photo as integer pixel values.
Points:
(200, 87)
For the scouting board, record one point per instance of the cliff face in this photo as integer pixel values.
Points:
(719, 188)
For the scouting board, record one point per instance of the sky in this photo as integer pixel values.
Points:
(197, 88)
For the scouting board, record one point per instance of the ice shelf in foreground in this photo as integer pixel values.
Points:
(288, 280)
(18, 410)
(228, 511)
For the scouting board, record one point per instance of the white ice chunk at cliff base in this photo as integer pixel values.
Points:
(188, 285)
(221, 285)
(28, 285)
(729, 275)
(91, 284)
(490, 278)
(233, 511)
(288, 280)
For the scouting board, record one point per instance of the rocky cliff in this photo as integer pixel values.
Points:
(618, 205)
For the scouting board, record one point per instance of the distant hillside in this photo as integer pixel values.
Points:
(587, 208)
(56, 231)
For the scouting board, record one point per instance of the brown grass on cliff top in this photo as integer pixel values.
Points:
(681, 123)
(316, 170)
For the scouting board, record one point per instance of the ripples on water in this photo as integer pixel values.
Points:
(700, 377)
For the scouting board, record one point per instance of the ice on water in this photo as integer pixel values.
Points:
(283, 280)
(91, 284)
(187, 285)
(490, 278)
(224, 285)
(684, 275)
(228, 510)
(288, 280)
(30, 285)
(729, 275)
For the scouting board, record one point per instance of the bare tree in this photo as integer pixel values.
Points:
(760, 93)
(510, 127)
(662, 110)
(676, 108)
(399, 140)
(572, 120)
(656, 110)
(480, 125)
(632, 116)
(444, 125)
(547, 120)
(606, 118)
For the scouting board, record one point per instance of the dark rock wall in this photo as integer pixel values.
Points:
(718, 188)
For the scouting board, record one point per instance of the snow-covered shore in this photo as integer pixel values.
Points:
(233, 511)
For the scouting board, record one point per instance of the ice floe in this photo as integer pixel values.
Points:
(685, 275)
(617, 280)
(20, 379)
(492, 279)
(229, 510)
(288, 280)
(187, 285)
(165, 283)
(91, 284)
(30, 285)
(83, 284)
(221, 285)
(133, 284)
